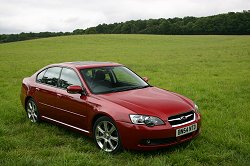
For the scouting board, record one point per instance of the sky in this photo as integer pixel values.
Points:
(67, 15)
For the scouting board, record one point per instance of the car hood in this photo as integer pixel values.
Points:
(151, 101)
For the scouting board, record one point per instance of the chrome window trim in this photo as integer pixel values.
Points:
(58, 77)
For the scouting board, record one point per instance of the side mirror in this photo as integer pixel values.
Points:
(146, 79)
(73, 89)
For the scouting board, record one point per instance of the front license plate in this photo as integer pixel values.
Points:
(186, 130)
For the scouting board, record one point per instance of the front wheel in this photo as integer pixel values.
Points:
(106, 135)
(32, 111)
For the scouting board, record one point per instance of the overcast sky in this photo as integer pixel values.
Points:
(66, 15)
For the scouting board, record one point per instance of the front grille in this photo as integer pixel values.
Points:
(181, 119)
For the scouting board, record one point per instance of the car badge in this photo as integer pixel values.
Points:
(183, 117)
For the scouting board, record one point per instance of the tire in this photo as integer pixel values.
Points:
(32, 111)
(106, 135)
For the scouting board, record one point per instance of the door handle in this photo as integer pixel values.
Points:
(59, 95)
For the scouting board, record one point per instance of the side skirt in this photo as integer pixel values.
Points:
(53, 120)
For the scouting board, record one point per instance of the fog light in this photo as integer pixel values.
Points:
(148, 141)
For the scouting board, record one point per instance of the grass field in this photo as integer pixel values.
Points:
(214, 71)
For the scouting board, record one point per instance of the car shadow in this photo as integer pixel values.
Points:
(170, 149)
(78, 135)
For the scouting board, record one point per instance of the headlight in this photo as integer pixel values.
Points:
(147, 120)
(196, 108)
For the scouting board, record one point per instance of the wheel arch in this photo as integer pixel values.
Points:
(26, 100)
(97, 116)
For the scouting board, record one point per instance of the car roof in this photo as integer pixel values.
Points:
(86, 64)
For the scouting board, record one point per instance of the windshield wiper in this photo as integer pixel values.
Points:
(141, 87)
(125, 89)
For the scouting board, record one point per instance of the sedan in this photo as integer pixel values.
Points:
(112, 104)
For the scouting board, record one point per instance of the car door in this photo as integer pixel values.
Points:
(46, 91)
(72, 106)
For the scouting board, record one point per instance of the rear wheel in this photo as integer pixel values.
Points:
(32, 111)
(106, 135)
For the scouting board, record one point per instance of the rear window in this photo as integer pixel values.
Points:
(51, 76)
(40, 76)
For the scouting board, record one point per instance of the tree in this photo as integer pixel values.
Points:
(165, 27)
(91, 30)
(230, 23)
(77, 32)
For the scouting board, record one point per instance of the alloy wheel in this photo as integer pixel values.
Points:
(106, 136)
(32, 111)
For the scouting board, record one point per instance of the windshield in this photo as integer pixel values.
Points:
(112, 79)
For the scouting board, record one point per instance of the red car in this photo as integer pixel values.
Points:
(110, 103)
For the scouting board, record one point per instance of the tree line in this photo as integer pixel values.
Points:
(232, 23)
(4, 38)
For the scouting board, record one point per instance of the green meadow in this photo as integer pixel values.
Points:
(214, 71)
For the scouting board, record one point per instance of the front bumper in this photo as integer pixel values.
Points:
(142, 137)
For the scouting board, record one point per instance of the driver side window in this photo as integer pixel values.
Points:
(68, 77)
